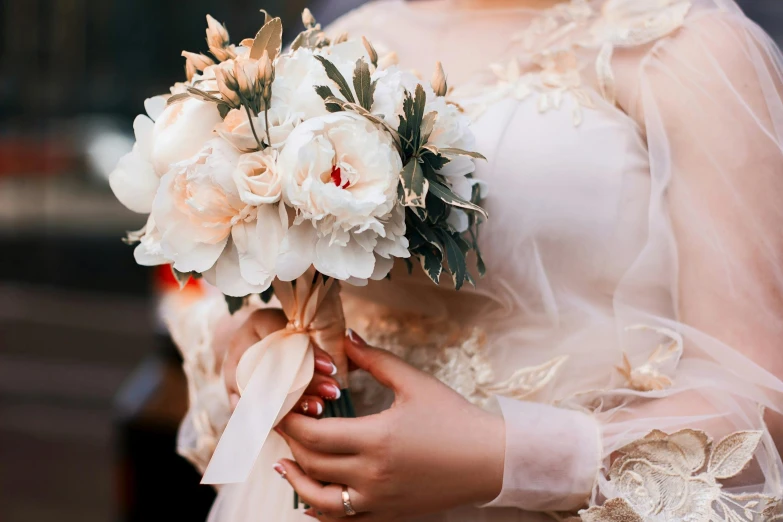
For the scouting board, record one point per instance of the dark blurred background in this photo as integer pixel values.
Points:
(90, 391)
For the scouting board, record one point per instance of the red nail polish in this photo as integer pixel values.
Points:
(329, 391)
(325, 366)
(355, 339)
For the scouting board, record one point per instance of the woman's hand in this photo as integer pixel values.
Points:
(432, 450)
(265, 322)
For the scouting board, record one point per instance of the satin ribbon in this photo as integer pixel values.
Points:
(273, 374)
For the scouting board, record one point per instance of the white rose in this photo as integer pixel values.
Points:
(257, 178)
(206, 227)
(237, 130)
(181, 131)
(134, 181)
(341, 174)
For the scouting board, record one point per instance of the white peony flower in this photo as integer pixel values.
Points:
(340, 173)
(134, 180)
(181, 131)
(390, 92)
(206, 227)
(258, 179)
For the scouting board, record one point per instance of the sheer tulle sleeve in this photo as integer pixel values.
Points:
(688, 428)
(687, 437)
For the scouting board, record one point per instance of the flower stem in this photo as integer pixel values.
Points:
(266, 122)
(253, 127)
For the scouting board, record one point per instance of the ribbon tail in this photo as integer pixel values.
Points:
(275, 369)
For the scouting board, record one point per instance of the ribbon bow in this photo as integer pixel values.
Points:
(272, 374)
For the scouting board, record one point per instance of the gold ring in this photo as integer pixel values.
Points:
(347, 503)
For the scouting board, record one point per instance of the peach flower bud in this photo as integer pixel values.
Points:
(195, 63)
(340, 39)
(227, 83)
(370, 51)
(246, 73)
(308, 19)
(218, 41)
(438, 81)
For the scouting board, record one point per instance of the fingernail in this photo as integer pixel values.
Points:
(318, 408)
(310, 513)
(355, 339)
(234, 400)
(280, 470)
(325, 366)
(329, 391)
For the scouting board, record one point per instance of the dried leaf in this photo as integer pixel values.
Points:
(363, 84)
(336, 76)
(267, 16)
(733, 453)
(333, 103)
(176, 98)
(269, 39)
(460, 152)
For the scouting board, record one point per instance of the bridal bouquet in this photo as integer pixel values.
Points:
(287, 173)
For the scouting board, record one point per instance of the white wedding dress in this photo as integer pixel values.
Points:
(630, 324)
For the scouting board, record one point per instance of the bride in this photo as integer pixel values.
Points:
(622, 359)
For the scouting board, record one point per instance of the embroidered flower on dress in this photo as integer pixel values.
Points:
(677, 477)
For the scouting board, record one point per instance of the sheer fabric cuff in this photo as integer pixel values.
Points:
(553, 456)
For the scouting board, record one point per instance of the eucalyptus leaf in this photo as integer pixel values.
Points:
(414, 184)
(363, 84)
(336, 76)
(450, 198)
(269, 39)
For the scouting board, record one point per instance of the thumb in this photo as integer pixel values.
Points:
(384, 366)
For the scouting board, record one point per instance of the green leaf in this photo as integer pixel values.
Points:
(461, 152)
(427, 234)
(428, 125)
(267, 294)
(432, 264)
(456, 259)
(336, 76)
(414, 185)
(269, 39)
(329, 98)
(181, 277)
(234, 303)
(450, 198)
(363, 84)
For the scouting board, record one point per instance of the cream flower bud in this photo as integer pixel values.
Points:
(195, 63)
(373, 54)
(227, 82)
(246, 73)
(343, 37)
(217, 40)
(308, 19)
(438, 81)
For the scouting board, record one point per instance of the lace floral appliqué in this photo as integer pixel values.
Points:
(677, 477)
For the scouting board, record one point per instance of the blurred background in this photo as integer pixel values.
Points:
(90, 388)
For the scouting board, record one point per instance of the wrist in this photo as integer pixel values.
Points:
(493, 450)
